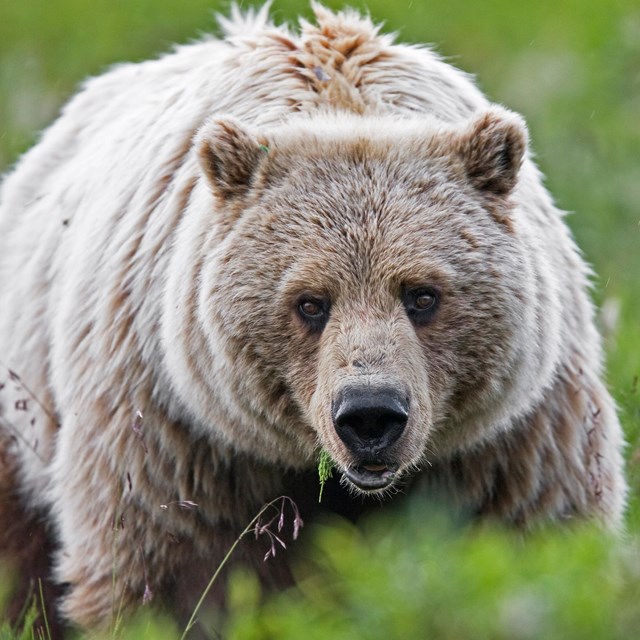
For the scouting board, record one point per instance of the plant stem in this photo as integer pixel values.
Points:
(247, 529)
(44, 611)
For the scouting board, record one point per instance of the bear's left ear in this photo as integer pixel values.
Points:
(492, 150)
(229, 155)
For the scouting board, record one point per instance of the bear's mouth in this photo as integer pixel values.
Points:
(371, 476)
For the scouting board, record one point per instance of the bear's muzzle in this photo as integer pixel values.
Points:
(369, 420)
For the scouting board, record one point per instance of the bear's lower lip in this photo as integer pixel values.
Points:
(371, 477)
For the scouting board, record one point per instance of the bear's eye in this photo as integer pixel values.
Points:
(421, 304)
(314, 312)
(425, 301)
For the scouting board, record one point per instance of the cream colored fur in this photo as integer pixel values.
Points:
(152, 245)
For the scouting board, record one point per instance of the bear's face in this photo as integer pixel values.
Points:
(371, 274)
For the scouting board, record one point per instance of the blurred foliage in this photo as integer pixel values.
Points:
(572, 67)
(418, 576)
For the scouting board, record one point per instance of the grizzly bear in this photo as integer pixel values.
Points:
(216, 264)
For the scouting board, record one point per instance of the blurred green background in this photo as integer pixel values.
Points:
(572, 68)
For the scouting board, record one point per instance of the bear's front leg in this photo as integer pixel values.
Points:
(147, 511)
(102, 522)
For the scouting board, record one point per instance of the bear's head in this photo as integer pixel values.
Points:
(372, 286)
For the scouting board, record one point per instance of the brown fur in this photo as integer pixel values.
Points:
(560, 459)
(27, 549)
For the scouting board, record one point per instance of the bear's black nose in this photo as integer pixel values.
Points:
(368, 420)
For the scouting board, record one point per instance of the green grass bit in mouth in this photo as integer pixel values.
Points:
(325, 470)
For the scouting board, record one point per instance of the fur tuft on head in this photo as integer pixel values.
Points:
(244, 22)
(493, 149)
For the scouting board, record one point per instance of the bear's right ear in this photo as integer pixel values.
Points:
(229, 156)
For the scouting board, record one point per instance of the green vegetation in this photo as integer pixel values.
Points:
(325, 470)
(418, 577)
(572, 67)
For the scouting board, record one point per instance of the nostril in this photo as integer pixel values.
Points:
(370, 417)
(370, 423)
